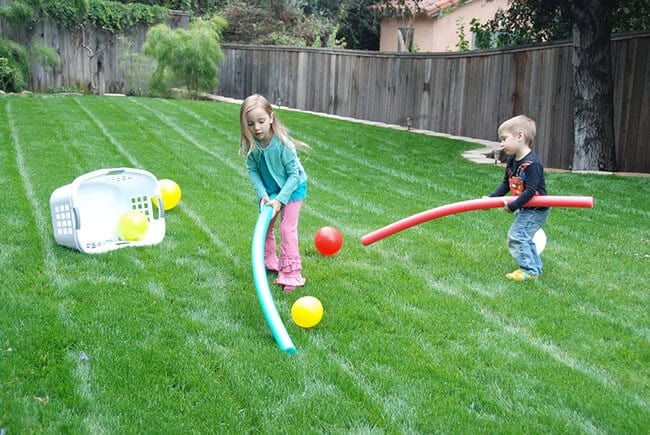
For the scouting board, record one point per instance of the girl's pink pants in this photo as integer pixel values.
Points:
(289, 265)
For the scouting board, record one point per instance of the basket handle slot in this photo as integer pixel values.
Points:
(77, 220)
(160, 207)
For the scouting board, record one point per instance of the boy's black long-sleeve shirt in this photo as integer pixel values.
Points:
(524, 178)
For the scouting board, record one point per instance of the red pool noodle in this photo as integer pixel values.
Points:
(471, 205)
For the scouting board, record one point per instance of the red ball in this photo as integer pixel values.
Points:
(328, 240)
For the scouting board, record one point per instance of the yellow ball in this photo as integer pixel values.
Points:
(133, 225)
(307, 311)
(171, 193)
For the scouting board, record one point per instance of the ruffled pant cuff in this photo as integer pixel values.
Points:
(290, 273)
(289, 263)
(290, 281)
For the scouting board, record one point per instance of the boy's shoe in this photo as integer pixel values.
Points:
(512, 275)
(520, 275)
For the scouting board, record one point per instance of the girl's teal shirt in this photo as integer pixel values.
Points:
(284, 167)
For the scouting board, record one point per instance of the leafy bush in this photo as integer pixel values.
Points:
(250, 24)
(14, 66)
(116, 17)
(111, 16)
(186, 58)
(44, 55)
(138, 69)
(18, 14)
(66, 13)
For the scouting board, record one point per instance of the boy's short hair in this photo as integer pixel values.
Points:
(521, 123)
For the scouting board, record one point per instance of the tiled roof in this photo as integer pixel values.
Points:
(430, 8)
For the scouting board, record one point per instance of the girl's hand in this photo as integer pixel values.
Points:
(277, 205)
(265, 199)
(505, 206)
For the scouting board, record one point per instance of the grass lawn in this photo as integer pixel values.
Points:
(421, 332)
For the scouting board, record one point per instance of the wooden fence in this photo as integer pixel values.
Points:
(90, 60)
(465, 94)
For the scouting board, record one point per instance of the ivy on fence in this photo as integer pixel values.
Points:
(111, 16)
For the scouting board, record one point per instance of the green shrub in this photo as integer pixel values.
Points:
(137, 69)
(117, 17)
(18, 14)
(186, 58)
(66, 13)
(44, 55)
(112, 16)
(14, 66)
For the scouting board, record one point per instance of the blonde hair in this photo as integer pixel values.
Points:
(521, 123)
(247, 142)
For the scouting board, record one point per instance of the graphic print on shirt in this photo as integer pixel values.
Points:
(516, 181)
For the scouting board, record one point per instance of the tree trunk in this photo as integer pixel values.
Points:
(593, 86)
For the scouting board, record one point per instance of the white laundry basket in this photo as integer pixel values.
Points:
(85, 213)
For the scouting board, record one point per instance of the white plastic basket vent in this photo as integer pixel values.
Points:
(85, 213)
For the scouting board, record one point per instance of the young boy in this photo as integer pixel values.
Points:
(524, 177)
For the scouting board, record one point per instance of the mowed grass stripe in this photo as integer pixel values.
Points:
(476, 306)
(221, 119)
(378, 399)
(119, 146)
(396, 150)
(383, 176)
(523, 368)
(56, 280)
(183, 207)
(239, 163)
(425, 333)
(129, 157)
(187, 210)
(413, 269)
(620, 318)
(599, 375)
(185, 135)
(189, 137)
(41, 220)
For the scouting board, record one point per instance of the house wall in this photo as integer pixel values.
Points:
(440, 33)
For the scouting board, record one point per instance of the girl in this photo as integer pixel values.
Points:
(279, 180)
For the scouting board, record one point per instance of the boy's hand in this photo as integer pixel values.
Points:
(505, 203)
